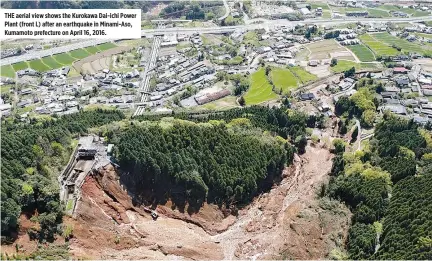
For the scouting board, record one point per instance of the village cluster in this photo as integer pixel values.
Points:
(185, 68)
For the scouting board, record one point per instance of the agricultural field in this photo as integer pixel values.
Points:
(402, 43)
(372, 11)
(326, 14)
(389, 7)
(92, 49)
(378, 47)
(302, 55)
(79, 53)
(414, 13)
(227, 102)
(315, 5)
(346, 65)
(51, 62)
(20, 66)
(283, 79)
(105, 46)
(362, 52)
(7, 71)
(327, 49)
(260, 89)
(64, 58)
(302, 75)
(55, 61)
(38, 65)
(423, 35)
(378, 13)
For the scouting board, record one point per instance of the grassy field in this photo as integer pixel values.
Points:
(260, 89)
(105, 46)
(315, 5)
(377, 13)
(389, 7)
(79, 53)
(322, 49)
(55, 61)
(372, 11)
(50, 62)
(64, 58)
(283, 79)
(343, 65)
(402, 43)
(20, 66)
(378, 47)
(362, 52)
(414, 13)
(426, 36)
(7, 71)
(251, 38)
(302, 75)
(227, 102)
(38, 65)
(6, 88)
(92, 49)
(326, 14)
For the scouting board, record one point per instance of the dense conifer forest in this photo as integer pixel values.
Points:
(387, 186)
(202, 162)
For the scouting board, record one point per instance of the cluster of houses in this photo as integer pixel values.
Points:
(10, 52)
(56, 95)
(347, 37)
(407, 91)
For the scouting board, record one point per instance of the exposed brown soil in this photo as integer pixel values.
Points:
(288, 222)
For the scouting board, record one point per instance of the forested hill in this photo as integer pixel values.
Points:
(388, 188)
(224, 157)
(32, 156)
(287, 124)
(193, 163)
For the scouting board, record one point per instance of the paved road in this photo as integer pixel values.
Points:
(359, 134)
(147, 74)
(225, 29)
(279, 22)
(227, 11)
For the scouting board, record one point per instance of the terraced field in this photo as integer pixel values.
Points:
(7, 71)
(315, 5)
(378, 47)
(51, 62)
(345, 65)
(20, 66)
(105, 46)
(56, 61)
(79, 53)
(260, 89)
(405, 45)
(362, 52)
(302, 75)
(38, 65)
(92, 49)
(64, 58)
(283, 79)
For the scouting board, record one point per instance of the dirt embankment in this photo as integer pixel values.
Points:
(288, 222)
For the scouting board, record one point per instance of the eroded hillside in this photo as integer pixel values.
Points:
(289, 221)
